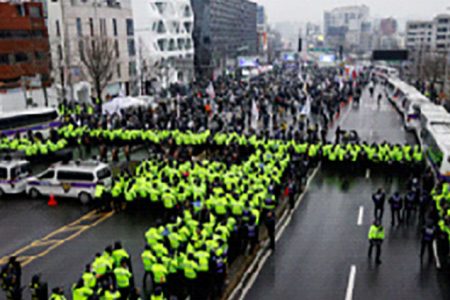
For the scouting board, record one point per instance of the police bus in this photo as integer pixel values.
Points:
(384, 72)
(31, 119)
(430, 112)
(411, 109)
(436, 144)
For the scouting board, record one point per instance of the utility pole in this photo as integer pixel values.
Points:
(67, 54)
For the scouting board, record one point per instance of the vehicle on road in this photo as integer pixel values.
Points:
(431, 112)
(436, 143)
(411, 110)
(30, 119)
(74, 179)
(384, 72)
(13, 176)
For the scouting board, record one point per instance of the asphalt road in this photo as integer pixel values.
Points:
(24, 220)
(315, 254)
(64, 265)
(313, 257)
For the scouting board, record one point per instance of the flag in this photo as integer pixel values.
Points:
(255, 115)
(210, 91)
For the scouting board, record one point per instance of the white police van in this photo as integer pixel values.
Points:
(13, 176)
(75, 179)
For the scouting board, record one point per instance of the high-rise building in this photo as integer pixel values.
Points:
(419, 35)
(164, 40)
(349, 27)
(431, 35)
(24, 56)
(223, 30)
(441, 33)
(388, 26)
(429, 45)
(24, 45)
(262, 28)
(79, 26)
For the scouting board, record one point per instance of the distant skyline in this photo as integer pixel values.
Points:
(312, 10)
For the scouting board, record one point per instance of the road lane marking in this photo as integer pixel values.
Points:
(360, 215)
(74, 229)
(280, 232)
(261, 261)
(367, 173)
(255, 275)
(351, 283)
(436, 256)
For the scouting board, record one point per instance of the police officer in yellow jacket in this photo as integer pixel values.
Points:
(376, 237)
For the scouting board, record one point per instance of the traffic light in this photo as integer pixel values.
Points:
(341, 52)
(300, 45)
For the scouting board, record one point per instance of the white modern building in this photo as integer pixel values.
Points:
(441, 33)
(165, 47)
(419, 35)
(431, 35)
(430, 39)
(74, 23)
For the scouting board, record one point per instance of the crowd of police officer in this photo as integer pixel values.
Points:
(279, 99)
(416, 202)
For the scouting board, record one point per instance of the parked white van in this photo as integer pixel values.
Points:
(13, 176)
(75, 179)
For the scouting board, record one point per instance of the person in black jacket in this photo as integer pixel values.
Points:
(270, 225)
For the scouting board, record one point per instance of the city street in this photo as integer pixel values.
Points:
(314, 255)
(326, 237)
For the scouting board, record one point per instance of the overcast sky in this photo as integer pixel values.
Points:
(312, 10)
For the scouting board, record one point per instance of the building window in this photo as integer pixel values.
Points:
(119, 73)
(130, 29)
(187, 12)
(39, 55)
(188, 44)
(102, 26)
(91, 26)
(4, 59)
(188, 27)
(21, 57)
(20, 10)
(81, 49)
(37, 33)
(131, 48)
(114, 22)
(116, 48)
(79, 29)
(58, 29)
(172, 45)
(34, 11)
(60, 52)
(161, 28)
(132, 68)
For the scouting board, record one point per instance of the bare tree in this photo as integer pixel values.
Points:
(150, 67)
(100, 61)
(434, 67)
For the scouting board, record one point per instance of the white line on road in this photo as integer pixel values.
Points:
(351, 283)
(347, 114)
(436, 256)
(280, 232)
(360, 215)
(255, 275)
(367, 173)
(263, 260)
